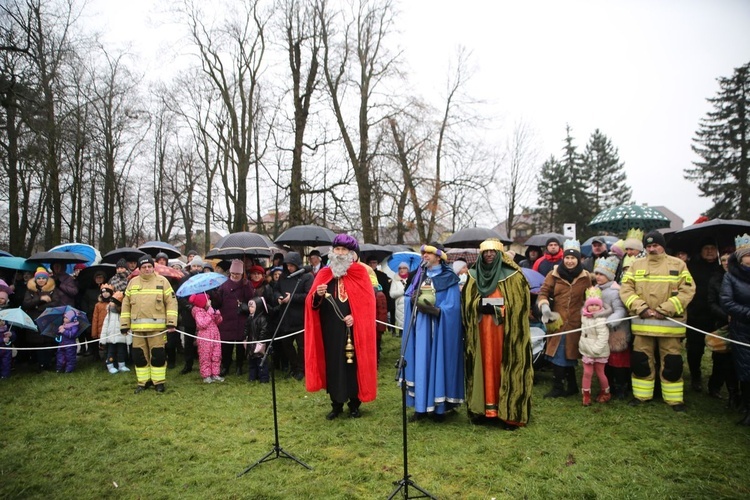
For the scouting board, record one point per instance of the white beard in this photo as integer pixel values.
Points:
(340, 264)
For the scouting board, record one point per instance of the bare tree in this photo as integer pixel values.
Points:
(231, 57)
(356, 60)
(517, 168)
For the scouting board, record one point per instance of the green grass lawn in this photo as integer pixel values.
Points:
(86, 435)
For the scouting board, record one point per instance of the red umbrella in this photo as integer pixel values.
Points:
(161, 270)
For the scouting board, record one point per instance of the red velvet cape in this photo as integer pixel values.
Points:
(362, 303)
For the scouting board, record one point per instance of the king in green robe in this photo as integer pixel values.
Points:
(498, 358)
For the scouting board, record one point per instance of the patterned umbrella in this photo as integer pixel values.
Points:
(161, 270)
(16, 317)
(309, 235)
(91, 253)
(201, 282)
(620, 219)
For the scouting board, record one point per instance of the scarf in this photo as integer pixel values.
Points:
(257, 284)
(569, 274)
(488, 275)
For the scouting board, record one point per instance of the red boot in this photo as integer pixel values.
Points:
(587, 397)
(603, 396)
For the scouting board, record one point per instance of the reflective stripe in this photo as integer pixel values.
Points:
(656, 326)
(671, 392)
(152, 324)
(677, 305)
(630, 300)
(159, 374)
(142, 374)
(642, 389)
(658, 279)
(676, 330)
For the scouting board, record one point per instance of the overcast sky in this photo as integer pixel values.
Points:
(639, 70)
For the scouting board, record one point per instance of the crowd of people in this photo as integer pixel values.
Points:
(622, 313)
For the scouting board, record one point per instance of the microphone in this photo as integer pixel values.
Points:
(302, 270)
(423, 264)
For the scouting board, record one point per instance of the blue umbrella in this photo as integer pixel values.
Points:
(17, 264)
(534, 278)
(16, 317)
(411, 258)
(52, 317)
(201, 283)
(91, 253)
(3, 253)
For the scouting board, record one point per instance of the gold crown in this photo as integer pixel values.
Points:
(742, 242)
(491, 244)
(593, 292)
(635, 234)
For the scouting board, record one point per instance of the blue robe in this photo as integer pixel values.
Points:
(434, 355)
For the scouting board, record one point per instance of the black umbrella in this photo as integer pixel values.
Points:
(127, 253)
(719, 231)
(473, 237)
(239, 245)
(540, 240)
(309, 235)
(62, 257)
(86, 276)
(373, 251)
(154, 247)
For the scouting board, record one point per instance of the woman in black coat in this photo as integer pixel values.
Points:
(735, 298)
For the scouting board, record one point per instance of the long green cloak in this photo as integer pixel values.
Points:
(517, 371)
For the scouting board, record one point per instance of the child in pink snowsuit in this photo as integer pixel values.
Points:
(207, 321)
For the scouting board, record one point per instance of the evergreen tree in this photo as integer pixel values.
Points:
(723, 144)
(607, 186)
(548, 192)
(574, 201)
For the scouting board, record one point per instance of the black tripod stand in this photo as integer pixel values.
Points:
(403, 484)
(277, 451)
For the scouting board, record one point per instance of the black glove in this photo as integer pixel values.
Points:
(431, 310)
(486, 309)
(124, 331)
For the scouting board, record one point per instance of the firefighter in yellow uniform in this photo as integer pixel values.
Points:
(149, 307)
(656, 288)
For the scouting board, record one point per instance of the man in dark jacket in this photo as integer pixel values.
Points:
(703, 268)
(598, 251)
(553, 255)
(290, 296)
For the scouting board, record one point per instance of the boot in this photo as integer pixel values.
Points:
(604, 396)
(570, 375)
(586, 397)
(111, 368)
(734, 402)
(558, 375)
(187, 369)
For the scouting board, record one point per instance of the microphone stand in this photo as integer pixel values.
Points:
(405, 482)
(277, 451)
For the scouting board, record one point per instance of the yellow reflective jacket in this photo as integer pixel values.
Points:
(662, 283)
(149, 304)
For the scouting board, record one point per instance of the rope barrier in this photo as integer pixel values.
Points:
(97, 341)
(250, 342)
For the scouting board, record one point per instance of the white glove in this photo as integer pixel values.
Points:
(546, 313)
